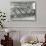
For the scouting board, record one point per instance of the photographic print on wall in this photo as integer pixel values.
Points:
(23, 10)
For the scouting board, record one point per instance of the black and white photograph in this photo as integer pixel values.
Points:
(25, 10)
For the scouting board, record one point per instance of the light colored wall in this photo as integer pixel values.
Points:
(40, 16)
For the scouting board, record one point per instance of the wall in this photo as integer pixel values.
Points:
(40, 16)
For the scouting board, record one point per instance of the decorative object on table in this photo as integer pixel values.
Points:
(25, 10)
(44, 44)
(8, 41)
(29, 39)
(2, 18)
